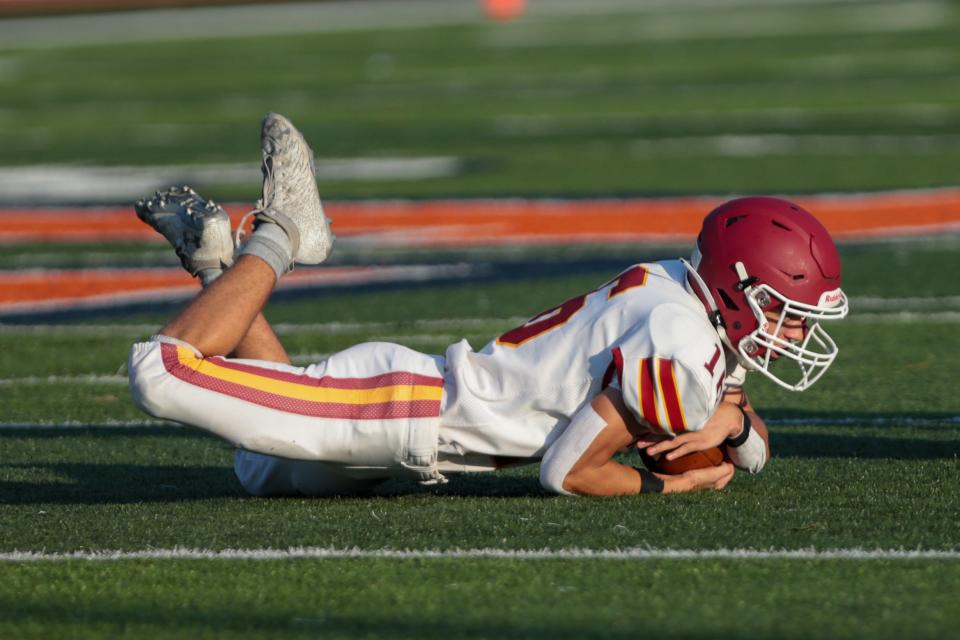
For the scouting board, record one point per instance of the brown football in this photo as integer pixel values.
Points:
(696, 460)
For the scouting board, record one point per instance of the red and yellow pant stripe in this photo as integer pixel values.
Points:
(390, 395)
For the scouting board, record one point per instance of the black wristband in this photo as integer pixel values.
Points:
(649, 482)
(744, 433)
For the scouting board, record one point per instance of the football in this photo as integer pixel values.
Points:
(696, 460)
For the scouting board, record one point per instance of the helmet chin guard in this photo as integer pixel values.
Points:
(758, 256)
(813, 355)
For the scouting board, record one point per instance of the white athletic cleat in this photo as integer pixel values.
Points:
(198, 229)
(290, 198)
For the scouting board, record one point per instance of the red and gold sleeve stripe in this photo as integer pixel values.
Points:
(648, 398)
(615, 368)
(397, 394)
(656, 381)
(671, 396)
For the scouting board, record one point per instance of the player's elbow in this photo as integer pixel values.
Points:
(573, 483)
(577, 483)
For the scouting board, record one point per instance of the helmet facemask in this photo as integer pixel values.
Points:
(813, 354)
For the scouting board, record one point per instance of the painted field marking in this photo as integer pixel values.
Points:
(773, 144)
(663, 21)
(905, 316)
(906, 309)
(55, 184)
(774, 118)
(79, 424)
(39, 289)
(492, 325)
(905, 302)
(282, 328)
(78, 379)
(865, 421)
(178, 553)
(506, 222)
(880, 420)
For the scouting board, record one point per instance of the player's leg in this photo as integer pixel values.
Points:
(261, 343)
(290, 226)
(220, 316)
(266, 476)
(199, 231)
(289, 203)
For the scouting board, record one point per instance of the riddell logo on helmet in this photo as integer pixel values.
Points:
(831, 297)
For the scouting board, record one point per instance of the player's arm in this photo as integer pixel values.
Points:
(734, 424)
(749, 448)
(581, 461)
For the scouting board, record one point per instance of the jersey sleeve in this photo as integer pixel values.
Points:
(670, 372)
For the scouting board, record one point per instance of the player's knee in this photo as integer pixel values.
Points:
(148, 378)
(263, 476)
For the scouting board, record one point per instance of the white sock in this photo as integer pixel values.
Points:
(270, 243)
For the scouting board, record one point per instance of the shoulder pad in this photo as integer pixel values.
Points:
(671, 370)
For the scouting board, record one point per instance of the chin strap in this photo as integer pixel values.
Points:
(714, 312)
(746, 281)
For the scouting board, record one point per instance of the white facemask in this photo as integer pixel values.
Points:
(813, 355)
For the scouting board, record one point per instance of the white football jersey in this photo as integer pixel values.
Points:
(643, 331)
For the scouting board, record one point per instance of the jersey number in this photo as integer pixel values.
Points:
(558, 316)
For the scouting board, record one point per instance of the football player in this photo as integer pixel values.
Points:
(654, 358)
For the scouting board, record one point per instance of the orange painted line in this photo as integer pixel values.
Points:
(484, 222)
(19, 289)
(27, 286)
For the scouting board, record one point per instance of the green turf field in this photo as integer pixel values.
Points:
(771, 98)
(673, 100)
(865, 460)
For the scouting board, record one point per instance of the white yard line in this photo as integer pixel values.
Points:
(761, 145)
(77, 424)
(912, 309)
(766, 118)
(78, 329)
(466, 325)
(178, 553)
(669, 20)
(907, 302)
(905, 316)
(282, 328)
(303, 359)
(55, 184)
(864, 420)
(80, 378)
(879, 420)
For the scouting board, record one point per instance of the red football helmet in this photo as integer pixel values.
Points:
(760, 254)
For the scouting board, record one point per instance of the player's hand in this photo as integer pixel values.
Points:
(648, 440)
(726, 422)
(716, 478)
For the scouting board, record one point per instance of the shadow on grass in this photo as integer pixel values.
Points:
(102, 431)
(153, 619)
(808, 445)
(110, 483)
(869, 436)
(937, 421)
(908, 436)
(85, 483)
(503, 484)
(129, 484)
